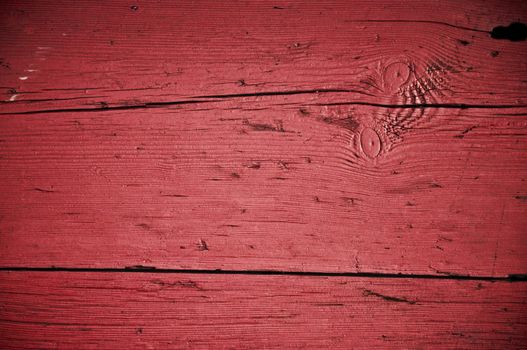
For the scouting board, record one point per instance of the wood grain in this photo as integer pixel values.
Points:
(280, 164)
(86, 54)
(268, 183)
(153, 311)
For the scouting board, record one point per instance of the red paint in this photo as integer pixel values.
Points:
(291, 136)
(152, 311)
(273, 188)
(370, 142)
(74, 54)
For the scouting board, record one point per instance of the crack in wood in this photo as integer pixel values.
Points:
(153, 269)
(368, 292)
(418, 21)
(106, 108)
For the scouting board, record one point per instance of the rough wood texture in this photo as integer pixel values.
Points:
(257, 185)
(153, 311)
(80, 54)
(352, 139)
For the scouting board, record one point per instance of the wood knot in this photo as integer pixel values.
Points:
(370, 142)
(395, 75)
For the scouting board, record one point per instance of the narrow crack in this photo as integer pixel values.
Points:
(285, 93)
(368, 292)
(417, 21)
(425, 105)
(210, 99)
(106, 108)
(153, 269)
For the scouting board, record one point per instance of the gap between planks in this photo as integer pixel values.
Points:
(219, 98)
(152, 269)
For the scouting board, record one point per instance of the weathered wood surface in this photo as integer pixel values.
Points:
(63, 54)
(276, 183)
(301, 136)
(152, 311)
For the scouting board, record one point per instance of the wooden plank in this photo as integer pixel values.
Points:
(354, 140)
(272, 182)
(158, 311)
(85, 54)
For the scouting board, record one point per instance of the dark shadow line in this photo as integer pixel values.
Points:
(417, 21)
(285, 93)
(215, 98)
(426, 105)
(109, 108)
(165, 104)
(151, 269)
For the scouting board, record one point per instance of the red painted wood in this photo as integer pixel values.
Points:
(153, 311)
(269, 184)
(295, 136)
(65, 54)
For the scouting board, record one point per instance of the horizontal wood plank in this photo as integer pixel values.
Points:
(85, 54)
(275, 183)
(253, 136)
(158, 311)
(350, 141)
